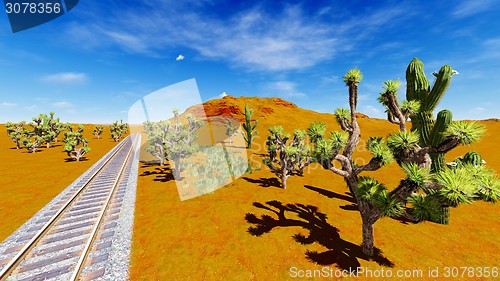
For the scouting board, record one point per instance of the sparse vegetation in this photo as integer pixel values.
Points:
(250, 131)
(15, 131)
(75, 145)
(98, 130)
(415, 151)
(118, 129)
(284, 158)
(174, 140)
(44, 129)
(231, 129)
(157, 135)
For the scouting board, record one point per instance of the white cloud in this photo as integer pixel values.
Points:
(373, 111)
(65, 78)
(63, 105)
(8, 105)
(179, 58)
(283, 88)
(331, 79)
(469, 8)
(131, 42)
(477, 110)
(254, 38)
(220, 96)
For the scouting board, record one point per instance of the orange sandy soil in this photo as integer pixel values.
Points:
(29, 181)
(212, 238)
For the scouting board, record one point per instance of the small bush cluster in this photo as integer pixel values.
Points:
(44, 131)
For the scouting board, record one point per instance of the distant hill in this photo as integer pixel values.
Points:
(230, 106)
(269, 112)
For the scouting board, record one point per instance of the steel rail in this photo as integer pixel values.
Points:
(19, 257)
(83, 257)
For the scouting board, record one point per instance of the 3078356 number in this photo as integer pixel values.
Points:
(33, 8)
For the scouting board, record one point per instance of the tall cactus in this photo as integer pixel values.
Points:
(250, 131)
(473, 158)
(436, 137)
(417, 85)
(418, 89)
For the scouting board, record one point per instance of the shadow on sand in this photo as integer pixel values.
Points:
(340, 252)
(161, 174)
(264, 182)
(69, 159)
(347, 196)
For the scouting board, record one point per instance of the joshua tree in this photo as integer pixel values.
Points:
(75, 145)
(118, 129)
(285, 159)
(33, 138)
(15, 131)
(32, 145)
(421, 101)
(441, 188)
(98, 131)
(231, 130)
(51, 128)
(157, 135)
(179, 141)
(250, 131)
(44, 129)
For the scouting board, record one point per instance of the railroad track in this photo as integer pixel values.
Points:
(60, 244)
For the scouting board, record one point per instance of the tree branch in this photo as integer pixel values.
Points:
(445, 146)
(374, 164)
(391, 118)
(339, 171)
(394, 108)
(346, 163)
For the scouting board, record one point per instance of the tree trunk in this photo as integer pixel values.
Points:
(283, 180)
(367, 245)
(176, 171)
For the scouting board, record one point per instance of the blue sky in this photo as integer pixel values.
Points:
(93, 63)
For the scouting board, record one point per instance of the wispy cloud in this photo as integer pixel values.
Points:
(331, 79)
(285, 89)
(477, 110)
(8, 105)
(65, 78)
(63, 105)
(373, 111)
(255, 39)
(469, 8)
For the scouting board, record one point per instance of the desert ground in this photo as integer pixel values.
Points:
(28, 181)
(235, 233)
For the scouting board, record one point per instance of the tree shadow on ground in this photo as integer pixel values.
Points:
(347, 196)
(230, 145)
(161, 173)
(340, 252)
(264, 182)
(69, 159)
(330, 194)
